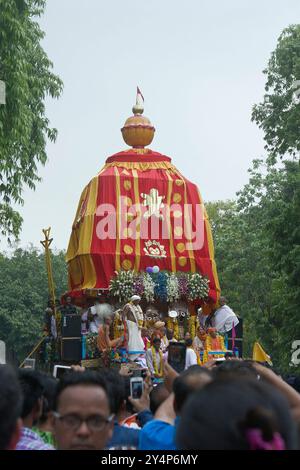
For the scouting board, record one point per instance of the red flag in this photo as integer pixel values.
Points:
(233, 335)
(140, 93)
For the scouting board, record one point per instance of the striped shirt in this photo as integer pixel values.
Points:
(30, 440)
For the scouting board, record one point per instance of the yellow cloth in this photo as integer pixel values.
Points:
(260, 355)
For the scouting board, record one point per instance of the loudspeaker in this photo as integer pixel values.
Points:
(71, 349)
(71, 326)
(238, 342)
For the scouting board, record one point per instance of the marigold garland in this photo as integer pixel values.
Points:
(160, 372)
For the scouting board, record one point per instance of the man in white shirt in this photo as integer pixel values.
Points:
(190, 355)
(224, 319)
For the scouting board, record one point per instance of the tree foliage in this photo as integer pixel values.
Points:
(24, 126)
(257, 242)
(24, 296)
(279, 113)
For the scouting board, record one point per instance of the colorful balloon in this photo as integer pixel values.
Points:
(155, 269)
(149, 270)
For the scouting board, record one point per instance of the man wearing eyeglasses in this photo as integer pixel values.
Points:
(82, 413)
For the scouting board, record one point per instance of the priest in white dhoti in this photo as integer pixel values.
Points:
(134, 317)
(224, 318)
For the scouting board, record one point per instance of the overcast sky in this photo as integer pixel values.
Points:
(199, 65)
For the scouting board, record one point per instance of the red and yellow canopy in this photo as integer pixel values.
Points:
(139, 211)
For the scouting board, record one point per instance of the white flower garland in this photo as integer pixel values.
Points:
(198, 287)
(149, 286)
(121, 286)
(172, 288)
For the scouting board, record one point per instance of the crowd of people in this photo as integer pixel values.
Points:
(238, 405)
(146, 338)
(207, 404)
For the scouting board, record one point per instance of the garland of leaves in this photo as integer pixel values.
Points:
(169, 287)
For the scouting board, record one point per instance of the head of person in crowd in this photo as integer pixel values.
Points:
(158, 395)
(10, 408)
(83, 419)
(69, 300)
(212, 332)
(156, 343)
(187, 336)
(45, 422)
(235, 368)
(116, 390)
(236, 414)
(170, 335)
(192, 379)
(32, 391)
(159, 328)
(135, 299)
(118, 395)
(201, 333)
(222, 301)
(189, 342)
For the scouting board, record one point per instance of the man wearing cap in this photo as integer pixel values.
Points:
(134, 321)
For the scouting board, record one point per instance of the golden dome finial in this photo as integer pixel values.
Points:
(138, 130)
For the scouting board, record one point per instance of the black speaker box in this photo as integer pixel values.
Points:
(71, 326)
(71, 349)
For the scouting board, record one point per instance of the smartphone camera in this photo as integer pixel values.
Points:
(136, 387)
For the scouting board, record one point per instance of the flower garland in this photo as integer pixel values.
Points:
(209, 346)
(193, 325)
(182, 284)
(118, 326)
(173, 326)
(157, 372)
(167, 287)
(122, 285)
(161, 286)
(172, 288)
(198, 287)
(139, 285)
(149, 287)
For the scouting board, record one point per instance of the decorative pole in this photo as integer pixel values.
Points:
(46, 244)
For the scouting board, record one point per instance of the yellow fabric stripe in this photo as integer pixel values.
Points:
(189, 227)
(118, 242)
(86, 227)
(142, 166)
(211, 249)
(138, 207)
(172, 251)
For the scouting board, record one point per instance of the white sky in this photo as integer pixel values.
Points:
(199, 65)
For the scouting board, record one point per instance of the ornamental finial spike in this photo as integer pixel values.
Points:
(138, 131)
(138, 108)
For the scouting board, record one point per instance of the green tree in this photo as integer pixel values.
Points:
(257, 241)
(24, 126)
(279, 114)
(24, 296)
